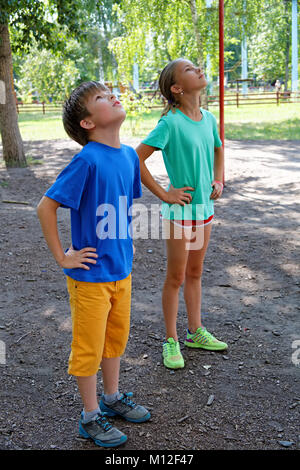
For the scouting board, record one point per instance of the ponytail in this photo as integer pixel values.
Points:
(170, 106)
(166, 80)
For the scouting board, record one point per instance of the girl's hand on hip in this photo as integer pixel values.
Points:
(178, 195)
(217, 190)
(77, 258)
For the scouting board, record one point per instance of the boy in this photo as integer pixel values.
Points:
(98, 264)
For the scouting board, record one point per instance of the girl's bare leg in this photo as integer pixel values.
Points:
(176, 264)
(192, 282)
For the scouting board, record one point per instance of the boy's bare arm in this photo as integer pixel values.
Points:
(46, 211)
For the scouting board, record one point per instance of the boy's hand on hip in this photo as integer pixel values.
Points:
(179, 196)
(76, 258)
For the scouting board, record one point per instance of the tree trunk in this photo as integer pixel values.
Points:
(195, 20)
(13, 150)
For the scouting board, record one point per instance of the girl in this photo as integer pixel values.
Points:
(193, 157)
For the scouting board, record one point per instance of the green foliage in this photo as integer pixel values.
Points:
(135, 108)
(270, 46)
(48, 22)
(47, 76)
(158, 31)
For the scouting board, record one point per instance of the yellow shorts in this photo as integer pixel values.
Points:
(100, 323)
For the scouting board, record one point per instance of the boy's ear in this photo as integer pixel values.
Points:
(87, 124)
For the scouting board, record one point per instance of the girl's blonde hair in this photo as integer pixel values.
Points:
(166, 80)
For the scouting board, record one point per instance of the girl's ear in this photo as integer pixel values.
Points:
(87, 124)
(176, 89)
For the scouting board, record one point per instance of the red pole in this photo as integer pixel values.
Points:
(221, 73)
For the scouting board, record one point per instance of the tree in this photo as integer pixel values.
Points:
(13, 150)
(269, 48)
(48, 23)
(168, 29)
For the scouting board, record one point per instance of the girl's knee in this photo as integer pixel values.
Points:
(175, 280)
(194, 273)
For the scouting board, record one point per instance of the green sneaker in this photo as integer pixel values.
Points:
(171, 354)
(205, 340)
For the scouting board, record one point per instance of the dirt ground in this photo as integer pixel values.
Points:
(246, 398)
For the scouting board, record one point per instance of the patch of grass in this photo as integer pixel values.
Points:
(38, 126)
(262, 122)
(252, 122)
(33, 160)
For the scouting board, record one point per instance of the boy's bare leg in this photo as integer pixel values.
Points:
(88, 390)
(110, 373)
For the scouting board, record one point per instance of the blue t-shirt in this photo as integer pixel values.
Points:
(98, 186)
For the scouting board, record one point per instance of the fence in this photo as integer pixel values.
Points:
(230, 99)
(38, 107)
(239, 99)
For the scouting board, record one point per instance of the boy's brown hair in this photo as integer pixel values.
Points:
(74, 110)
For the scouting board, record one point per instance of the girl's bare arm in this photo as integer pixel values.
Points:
(218, 172)
(174, 195)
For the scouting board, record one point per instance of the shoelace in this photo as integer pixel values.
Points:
(171, 348)
(206, 334)
(126, 400)
(103, 422)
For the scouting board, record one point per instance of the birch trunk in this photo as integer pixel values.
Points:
(13, 150)
(195, 19)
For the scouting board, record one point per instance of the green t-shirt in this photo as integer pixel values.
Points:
(188, 152)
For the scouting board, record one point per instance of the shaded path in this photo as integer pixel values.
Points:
(251, 300)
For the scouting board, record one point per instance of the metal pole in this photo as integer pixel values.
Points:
(294, 47)
(221, 73)
(244, 52)
(208, 61)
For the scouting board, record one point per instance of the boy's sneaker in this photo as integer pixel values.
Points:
(171, 354)
(205, 340)
(101, 432)
(125, 408)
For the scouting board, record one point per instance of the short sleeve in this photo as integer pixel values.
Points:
(217, 140)
(137, 186)
(70, 183)
(159, 137)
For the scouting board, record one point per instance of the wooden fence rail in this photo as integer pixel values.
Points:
(231, 99)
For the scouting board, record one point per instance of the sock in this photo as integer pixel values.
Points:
(89, 415)
(111, 398)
